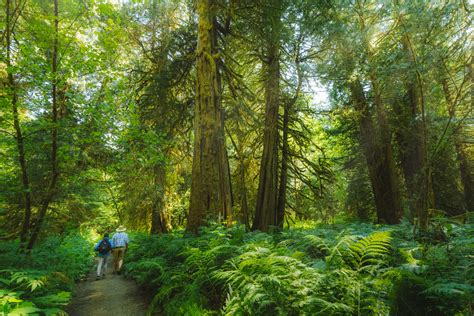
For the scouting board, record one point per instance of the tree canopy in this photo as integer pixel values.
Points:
(180, 114)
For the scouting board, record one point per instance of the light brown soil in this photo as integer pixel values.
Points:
(112, 295)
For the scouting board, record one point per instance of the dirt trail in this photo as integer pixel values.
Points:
(112, 295)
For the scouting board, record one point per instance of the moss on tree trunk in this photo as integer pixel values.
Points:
(210, 188)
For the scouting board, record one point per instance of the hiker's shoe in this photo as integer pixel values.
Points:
(97, 278)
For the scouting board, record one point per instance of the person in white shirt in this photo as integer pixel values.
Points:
(119, 248)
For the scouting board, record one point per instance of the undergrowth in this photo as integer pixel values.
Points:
(41, 283)
(343, 269)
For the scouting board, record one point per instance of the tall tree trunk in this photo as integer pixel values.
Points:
(284, 169)
(265, 212)
(388, 177)
(243, 195)
(379, 161)
(410, 138)
(377, 146)
(421, 196)
(465, 168)
(210, 188)
(461, 152)
(159, 219)
(468, 168)
(285, 148)
(54, 134)
(12, 91)
(239, 150)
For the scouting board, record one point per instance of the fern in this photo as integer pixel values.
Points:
(350, 269)
(147, 271)
(370, 252)
(41, 284)
(450, 289)
(262, 282)
(27, 293)
(53, 300)
(355, 272)
(313, 246)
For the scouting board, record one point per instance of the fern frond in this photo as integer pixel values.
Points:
(370, 251)
(450, 289)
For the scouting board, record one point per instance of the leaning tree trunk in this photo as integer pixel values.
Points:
(13, 94)
(210, 188)
(54, 135)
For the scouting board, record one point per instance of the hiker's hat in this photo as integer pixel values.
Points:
(121, 228)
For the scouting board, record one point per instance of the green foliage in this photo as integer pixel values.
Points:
(355, 269)
(40, 283)
(126, 92)
(71, 254)
(261, 282)
(181, 268)
(31, 291)
(370, 252)
(436, 279)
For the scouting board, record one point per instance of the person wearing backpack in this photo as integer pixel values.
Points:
(103, 248)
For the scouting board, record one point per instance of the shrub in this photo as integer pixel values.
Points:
(41, 282)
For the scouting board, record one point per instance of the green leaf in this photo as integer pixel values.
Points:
(27, 310)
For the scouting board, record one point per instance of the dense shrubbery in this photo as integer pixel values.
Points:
(354, 269)
(41, 282)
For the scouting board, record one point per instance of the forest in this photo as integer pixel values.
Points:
(267, 157)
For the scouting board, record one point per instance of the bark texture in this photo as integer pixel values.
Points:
(159, 219)
(266, 211)
(410, 138)
(379, 160)
(210, 188)
(242, 187)
(462, 154)
(243, 195)
(285, 150)
(284, 168)
(467, 165)
(388, 175)
(422, 195)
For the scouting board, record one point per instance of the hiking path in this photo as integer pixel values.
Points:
(111, 295)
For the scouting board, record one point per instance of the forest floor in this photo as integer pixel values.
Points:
(111, 295)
